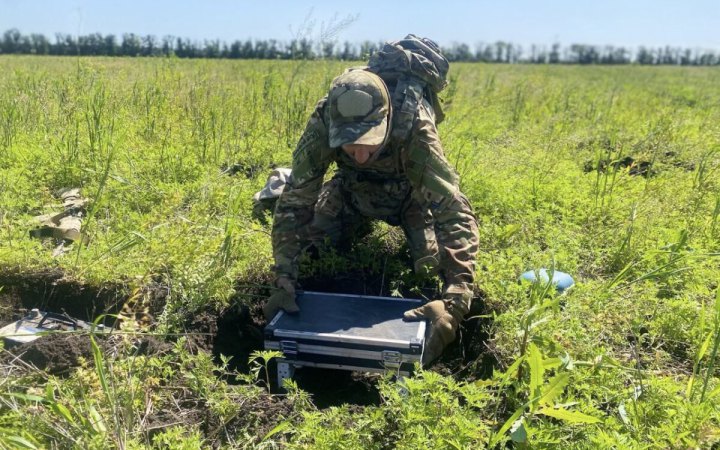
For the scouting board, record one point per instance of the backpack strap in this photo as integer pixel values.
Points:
(406, 99)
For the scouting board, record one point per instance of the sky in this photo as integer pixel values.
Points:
(630, 23)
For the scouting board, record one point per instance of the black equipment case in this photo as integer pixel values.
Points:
(349, 332)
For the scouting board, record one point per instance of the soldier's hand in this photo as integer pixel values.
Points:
(283, 298)
(443, 326)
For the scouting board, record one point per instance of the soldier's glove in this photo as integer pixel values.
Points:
(444, 317)
(283, 298)
(444, 320)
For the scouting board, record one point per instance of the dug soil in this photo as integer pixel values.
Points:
(234, 332)
(52, 291)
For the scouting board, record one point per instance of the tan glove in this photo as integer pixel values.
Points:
(283, 298)
(443, 326)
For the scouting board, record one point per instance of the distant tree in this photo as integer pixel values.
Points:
(131, 45)
(24, 46)
(262, 49)
(367, 48)
(348, 53)
(67, 44)
(484, 53)
(458, 52)
(248, 50)
(708, 58)
(167, 45)
(644, 56)
(306, 49)
(111, 46)
(292, 50)
(499, 52)
(180, 48)
(274, 49)
(212, 49)
(686, 58)
(554, 57)
(267, 49)
(11, 41)
(514, 53)
(533, 54)
(541, 56)
(91, 44)
(235, 50)
(328, 49)
(149, 45)
(40, 44)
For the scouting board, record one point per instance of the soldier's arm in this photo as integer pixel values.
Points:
(294, 209)
(435, 185)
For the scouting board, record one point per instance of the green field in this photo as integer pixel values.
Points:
(611, 174)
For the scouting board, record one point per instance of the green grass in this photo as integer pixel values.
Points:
(633, 346)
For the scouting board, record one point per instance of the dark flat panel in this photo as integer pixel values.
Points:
(357, 316)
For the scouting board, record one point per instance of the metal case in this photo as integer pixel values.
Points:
(350, 332)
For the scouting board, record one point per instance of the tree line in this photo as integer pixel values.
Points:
(130, 44)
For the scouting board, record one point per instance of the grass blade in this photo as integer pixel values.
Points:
(21, 442)
(568, 416)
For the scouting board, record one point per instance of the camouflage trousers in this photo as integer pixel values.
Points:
(347, 205)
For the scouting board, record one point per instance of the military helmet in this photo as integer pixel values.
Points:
(359, 105)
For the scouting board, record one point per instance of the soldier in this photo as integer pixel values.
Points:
(403, 181)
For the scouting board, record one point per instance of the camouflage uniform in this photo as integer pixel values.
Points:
(408, 182)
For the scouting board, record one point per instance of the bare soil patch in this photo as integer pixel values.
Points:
(234, 331)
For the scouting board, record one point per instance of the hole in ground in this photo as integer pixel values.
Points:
(51, 291)
(235, 331)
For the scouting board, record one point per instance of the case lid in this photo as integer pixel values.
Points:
(359, 319)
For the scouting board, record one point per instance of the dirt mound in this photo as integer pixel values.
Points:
(59, 353)
(149, 345)
(54, 353)
(52, 291)
(234, 332)
(259, 413)
(469, 357)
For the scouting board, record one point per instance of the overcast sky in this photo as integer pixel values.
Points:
(689, 23)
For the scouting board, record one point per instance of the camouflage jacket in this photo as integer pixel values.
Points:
(418, 163)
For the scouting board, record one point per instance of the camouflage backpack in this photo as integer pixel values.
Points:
(412, 68)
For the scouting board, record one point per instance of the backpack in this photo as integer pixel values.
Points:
(412, 68)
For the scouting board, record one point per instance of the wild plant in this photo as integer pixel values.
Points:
(706, 168)
(537, 397)
(9, 119)
(712, 339)
(260, 364)
(715, 214)
(606, 171)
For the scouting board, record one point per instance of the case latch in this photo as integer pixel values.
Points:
(289, 349)
(391, 359)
